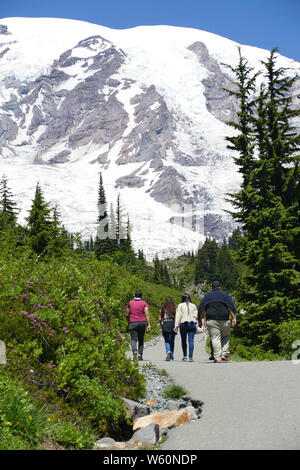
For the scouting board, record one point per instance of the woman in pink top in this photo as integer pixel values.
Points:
(137, 314)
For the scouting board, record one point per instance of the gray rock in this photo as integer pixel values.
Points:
(61, 157)
(130, 182)
(219, 102)
(172, 405)
(104, 442)
(149, 434)
(8, 129)
(4, 29)
(136, 410)
(168, 189)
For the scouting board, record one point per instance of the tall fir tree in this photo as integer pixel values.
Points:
(206, 262)
(121, 232)
(234, 240)
(8, 207)
(226, 269)
(102, 244)
(267, 205)
(40, 225)
(58, 244)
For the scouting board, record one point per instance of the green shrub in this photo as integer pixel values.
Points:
(244, 352)
(23, 423)
(174, 392)
(289, 333)
(10, 441)
(69, 436)
(64, 334)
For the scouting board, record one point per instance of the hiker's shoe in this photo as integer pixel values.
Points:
(211, 358)
(168, 356)
(191, 359)
(217, 361)
(141, 358)
(184, 358)
(135, 356)
(225, 359)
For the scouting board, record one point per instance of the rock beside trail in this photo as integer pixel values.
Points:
(167, 419)
(149, 434)
(135, 409)
(153, 415)
(104, 443)
(111, 444)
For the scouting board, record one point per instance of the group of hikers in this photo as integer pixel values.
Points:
(214, 316)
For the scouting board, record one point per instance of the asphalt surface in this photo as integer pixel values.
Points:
(247, 405)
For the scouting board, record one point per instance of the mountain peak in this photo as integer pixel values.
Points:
(144, 106)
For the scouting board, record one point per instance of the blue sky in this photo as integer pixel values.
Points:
(260, 23)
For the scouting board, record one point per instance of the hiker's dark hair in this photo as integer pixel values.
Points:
(185, 298)
(169, 307)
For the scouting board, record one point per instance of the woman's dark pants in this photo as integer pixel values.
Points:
(137, 331)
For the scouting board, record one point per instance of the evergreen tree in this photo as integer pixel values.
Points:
(120, 228)
(166, 275)
(267, 205)
(125, 243)
(102, 243)
(58, 244)
(156, 275)
(141, 255)
(125, 247)
(112, 230)
(91, 244)
(206, 264)
(226, 272)
(40, 225)
(8, 208)
(234, 240)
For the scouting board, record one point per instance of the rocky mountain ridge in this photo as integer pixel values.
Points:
(145, 107)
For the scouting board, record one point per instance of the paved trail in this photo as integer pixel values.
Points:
(247, 405)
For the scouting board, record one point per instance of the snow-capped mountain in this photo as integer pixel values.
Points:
(144, 106)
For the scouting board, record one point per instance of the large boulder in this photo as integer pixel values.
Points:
(167, 419)
(149, 434)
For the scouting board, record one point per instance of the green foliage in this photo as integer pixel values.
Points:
(174, 392)
(63, 334)
(161, 274)
(44, 234)
(8, 209)
(23, 423)
(69, 436)
(216, 263)
(267, 204)
(243, 351)
(289, 334)
(162, 372)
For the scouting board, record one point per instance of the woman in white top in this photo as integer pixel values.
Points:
(186, 319)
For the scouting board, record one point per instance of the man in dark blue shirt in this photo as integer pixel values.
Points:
(216, 307)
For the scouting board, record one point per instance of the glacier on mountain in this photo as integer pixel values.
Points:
(143, 106)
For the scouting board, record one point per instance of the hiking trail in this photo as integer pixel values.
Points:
(247, 405)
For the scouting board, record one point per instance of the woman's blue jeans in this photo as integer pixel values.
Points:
(185, 334)
(170, 342)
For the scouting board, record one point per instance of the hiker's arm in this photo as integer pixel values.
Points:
(147, 315)
(177, 320)
(233, 317)
(127, 314)
(201, 315)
